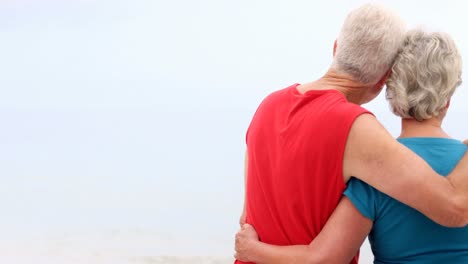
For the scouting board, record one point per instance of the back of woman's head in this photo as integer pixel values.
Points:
(426, 72)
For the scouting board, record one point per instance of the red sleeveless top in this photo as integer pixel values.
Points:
(295, 146)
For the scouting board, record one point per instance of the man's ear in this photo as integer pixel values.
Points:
(334, 48)
(384, 78)
(448, 104)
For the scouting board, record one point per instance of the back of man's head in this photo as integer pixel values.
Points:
(368, 43)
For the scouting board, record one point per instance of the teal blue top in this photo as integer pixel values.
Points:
(401, 234)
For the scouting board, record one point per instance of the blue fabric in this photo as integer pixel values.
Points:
(401, 234)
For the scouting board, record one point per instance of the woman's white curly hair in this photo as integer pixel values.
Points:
(424, 76)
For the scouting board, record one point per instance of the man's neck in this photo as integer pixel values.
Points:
(353, 90)
(426, 128)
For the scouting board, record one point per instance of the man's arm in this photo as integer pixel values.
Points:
(338, 242)
(244, 214)
(375, 157)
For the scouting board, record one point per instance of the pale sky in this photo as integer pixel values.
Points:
(132, 114)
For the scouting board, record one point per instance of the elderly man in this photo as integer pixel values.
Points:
(306, 141)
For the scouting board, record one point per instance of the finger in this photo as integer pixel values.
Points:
(239, 257)
(245, 226)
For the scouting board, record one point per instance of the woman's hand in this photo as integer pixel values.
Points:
(245, 239)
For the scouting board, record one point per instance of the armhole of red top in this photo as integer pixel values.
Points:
(356, 112)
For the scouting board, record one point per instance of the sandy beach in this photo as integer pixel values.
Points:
(112, 247)
(100, 260)
(184, 260)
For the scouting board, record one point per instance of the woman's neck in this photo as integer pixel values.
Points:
(426, 128)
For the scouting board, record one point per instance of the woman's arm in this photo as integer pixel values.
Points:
(244, 214)
(375, 157)
(338, 242)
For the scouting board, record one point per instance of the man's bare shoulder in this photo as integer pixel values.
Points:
(368, 142)
(366, 121)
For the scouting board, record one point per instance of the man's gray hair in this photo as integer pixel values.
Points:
(368, 42)
(425, 74)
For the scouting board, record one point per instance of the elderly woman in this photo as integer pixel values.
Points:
(425, 75)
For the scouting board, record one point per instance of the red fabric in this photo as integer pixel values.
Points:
(295, 148)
